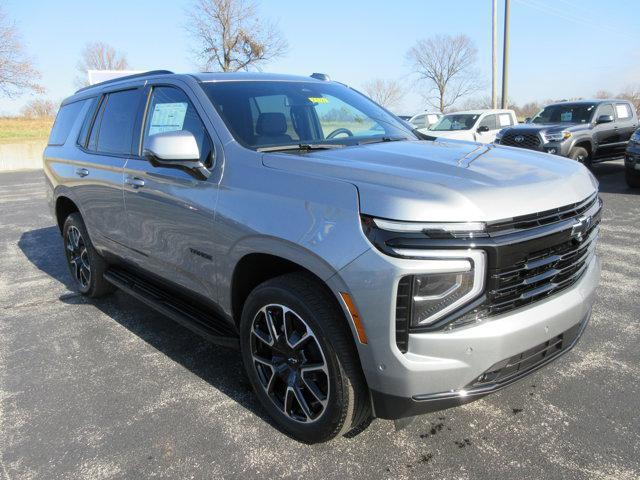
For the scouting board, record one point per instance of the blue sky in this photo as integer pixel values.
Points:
(559, 48)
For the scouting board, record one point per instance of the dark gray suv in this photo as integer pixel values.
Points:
(360, 270)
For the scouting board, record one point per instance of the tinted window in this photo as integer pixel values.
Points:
(566, 113)
(489, 121)
(623, 110)
(263, 113)
(117, 122)
(171, 110)
(86, 124)
(64, 121)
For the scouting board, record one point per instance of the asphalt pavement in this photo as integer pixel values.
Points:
(110, 389)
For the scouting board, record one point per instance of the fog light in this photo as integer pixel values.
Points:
(551, 151)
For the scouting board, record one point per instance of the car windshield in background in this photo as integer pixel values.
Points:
(566, 113)
(265, 114)
(462, 121)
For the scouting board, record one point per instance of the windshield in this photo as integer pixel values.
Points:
(262, 114)
(566, 113)
(455, 121)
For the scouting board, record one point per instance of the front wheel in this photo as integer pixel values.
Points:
(581, 155)
(299, 355)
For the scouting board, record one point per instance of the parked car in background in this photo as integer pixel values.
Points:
(422, 121)
(632, 160)
(473, 125)
(588, 131)
(361, 271)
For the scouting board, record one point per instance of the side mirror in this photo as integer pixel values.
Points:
(527, 120)
(482, 129)
(176, 149)
(604, 119)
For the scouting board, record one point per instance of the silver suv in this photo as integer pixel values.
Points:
(361, 270)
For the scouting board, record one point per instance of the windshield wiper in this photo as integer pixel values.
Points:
(381, 139)
(302, 146)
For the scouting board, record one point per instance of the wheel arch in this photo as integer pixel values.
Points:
(585, 143)
(63, 208)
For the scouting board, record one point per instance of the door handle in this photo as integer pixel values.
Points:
(135, 182)
(82, 172)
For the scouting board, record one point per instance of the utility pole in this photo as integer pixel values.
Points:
(494, 56)
(505, 56)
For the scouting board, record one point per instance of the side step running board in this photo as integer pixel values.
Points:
(203, 323)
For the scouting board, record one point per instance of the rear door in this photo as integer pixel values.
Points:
(105, 144)
(627, 123)
(169, 212)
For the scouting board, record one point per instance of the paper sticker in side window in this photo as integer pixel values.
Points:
(504, 119)
(622, 111)
(168, 117)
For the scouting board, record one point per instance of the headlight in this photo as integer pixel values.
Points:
(636, 136)
(557, 136)
(449, 284)
(500, 134)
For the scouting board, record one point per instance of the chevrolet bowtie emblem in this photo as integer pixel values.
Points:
(581, 227)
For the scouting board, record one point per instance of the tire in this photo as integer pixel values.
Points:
(336, 395)
(86, 266)
(632, 178)
(580, 155)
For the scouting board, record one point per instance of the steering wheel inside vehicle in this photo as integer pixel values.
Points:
(340, 131)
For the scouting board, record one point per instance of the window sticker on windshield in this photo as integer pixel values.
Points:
(504, 119)
(566, 116)
(318, 100)
(167, 117)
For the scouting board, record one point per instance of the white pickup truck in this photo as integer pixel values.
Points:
(473, 125)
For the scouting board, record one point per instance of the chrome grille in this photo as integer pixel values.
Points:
(542, 274)
(522, 140)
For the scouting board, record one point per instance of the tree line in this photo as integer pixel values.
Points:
(230, 35)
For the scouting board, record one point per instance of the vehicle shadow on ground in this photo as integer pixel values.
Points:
(219, 366)
(611, 178)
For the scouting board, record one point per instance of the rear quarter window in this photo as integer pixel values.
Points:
(66, 118)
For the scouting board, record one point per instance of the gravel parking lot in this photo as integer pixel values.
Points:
(110, 389)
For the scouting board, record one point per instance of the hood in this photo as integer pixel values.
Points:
(447, 181)
(453, 134)
(550, 127)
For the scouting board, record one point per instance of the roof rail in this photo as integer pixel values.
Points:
(127, 77)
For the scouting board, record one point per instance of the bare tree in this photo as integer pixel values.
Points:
(632, 93)
(17, 73)
(39, 108)
(388, 93)
(603, 94)
(230, 36)
(446, 63)
(99, 56)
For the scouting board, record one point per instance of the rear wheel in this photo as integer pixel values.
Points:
(85, 264)
(580, 154)
(299, 355)
(633, 177)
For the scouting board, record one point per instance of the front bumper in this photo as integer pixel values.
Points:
(632, 157)
(438, 367)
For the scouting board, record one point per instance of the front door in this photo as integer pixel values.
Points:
(169, 212)
(606, 134)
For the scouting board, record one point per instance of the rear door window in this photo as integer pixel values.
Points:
(623, 111)
(113, 128)
(64, 122)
